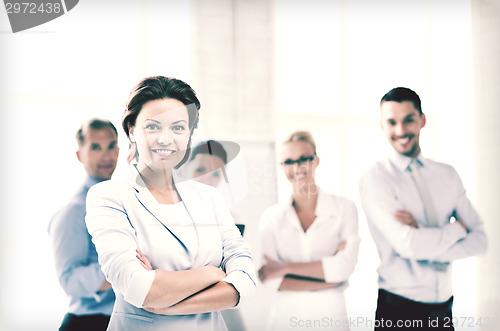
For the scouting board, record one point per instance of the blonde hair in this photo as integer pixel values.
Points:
(302, 136)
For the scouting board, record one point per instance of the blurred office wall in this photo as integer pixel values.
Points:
(486, 138)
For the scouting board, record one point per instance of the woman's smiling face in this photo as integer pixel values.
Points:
(296, 171)
(161, 133)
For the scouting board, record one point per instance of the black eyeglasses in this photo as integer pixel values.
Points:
(299, 161)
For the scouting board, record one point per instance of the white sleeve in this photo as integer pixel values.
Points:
(115, 242)
(380, 203)
(476, 241)
(339, 267)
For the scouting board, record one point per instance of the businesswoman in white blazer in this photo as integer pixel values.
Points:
(201, 263)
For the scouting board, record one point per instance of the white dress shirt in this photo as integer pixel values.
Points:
(283, 239)
(407, 254)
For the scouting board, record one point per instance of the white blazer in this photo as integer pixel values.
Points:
(122, 215)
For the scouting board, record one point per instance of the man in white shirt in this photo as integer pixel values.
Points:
(420, 219)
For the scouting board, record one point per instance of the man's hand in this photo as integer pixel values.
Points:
(440, 266)
(463, 225)
(105, 286)
(406, 218)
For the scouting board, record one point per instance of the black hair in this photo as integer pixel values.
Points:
(210, 147)
(400, 94)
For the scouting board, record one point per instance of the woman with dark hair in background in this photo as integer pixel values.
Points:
(207, 165)
(201, 263)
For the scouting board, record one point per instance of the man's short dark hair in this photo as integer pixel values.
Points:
(401, 94)
(94, 124)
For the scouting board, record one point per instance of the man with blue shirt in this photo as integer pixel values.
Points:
(90, 296)
(420, 219)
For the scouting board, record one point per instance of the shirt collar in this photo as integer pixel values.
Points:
(402, 161)
(323, 205)
(90, 181)
(135, 179)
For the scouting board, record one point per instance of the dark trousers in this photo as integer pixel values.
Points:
(72, 322)
(395, 312)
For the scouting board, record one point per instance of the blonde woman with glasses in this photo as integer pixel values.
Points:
(309, 245)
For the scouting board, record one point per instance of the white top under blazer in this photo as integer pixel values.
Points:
(122, 215)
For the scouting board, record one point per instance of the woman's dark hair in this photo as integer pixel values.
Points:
(210, 147)
(155, 88)
(400, 94)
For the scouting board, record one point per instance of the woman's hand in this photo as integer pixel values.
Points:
(313, 270)
(216, 273)
(162, 311)
(216, 297)
(144, 261)
(272, 269)
(341, 246)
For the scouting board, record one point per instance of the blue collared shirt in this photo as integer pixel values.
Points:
(75, 257)
(407, 254)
